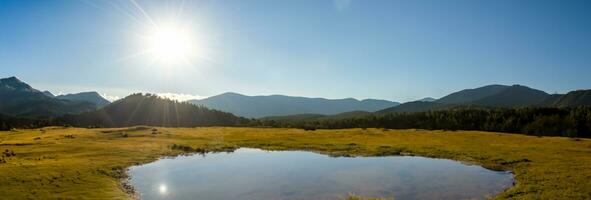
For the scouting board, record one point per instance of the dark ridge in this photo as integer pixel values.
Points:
(151, 110)
(575, 98)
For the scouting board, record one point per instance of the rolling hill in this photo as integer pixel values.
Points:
(140, 109)
(470, 95)
(575, 98)
(278, 105)
(513, 96)
(487, 96)
(414, 106)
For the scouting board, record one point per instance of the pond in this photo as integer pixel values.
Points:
(253, 174)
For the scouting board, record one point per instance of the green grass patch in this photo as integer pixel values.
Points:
(76, 163)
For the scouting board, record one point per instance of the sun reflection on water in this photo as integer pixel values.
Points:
(163, 189)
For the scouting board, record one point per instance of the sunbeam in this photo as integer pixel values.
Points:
(162, 38)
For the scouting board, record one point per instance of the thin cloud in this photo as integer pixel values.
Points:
(179, 96)
(110, 97)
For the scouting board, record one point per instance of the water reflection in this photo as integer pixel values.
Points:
(163, 189)
(252, 174)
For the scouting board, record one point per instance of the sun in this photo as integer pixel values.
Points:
(171, 44)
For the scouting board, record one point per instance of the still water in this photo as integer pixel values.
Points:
(253, 174)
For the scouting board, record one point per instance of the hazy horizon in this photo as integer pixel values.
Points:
(393, 50)
(186, 97)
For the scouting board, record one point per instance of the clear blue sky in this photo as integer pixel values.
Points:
(386, 49)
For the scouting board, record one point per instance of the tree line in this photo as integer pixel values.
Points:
(569, 122)
(8, 122)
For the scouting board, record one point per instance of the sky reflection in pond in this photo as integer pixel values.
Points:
(252, 174)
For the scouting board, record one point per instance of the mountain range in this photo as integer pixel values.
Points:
(490, 96)
(498, 96)
(278, 105)
(20, 99)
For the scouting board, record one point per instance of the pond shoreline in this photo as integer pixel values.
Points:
(188, 151)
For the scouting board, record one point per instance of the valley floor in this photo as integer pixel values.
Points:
(58, 162)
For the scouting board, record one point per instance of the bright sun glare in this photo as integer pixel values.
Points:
(171, 44)
(162, 189)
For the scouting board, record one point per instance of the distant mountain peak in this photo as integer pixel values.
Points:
(11, 81)
(520, 86)
(514, 96)
(231, 94)
(92, 97)
(19, 98)
(48, 93)
(12, 78)
(14, 83)
(90, 93)
(470, 95)
(427, 99)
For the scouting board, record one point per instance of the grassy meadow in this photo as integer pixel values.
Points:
(77, 163)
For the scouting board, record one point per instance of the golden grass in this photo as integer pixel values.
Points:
(355, 197)
(76, 163)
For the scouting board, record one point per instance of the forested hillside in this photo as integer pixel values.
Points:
(140, 109)
(570, 122)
